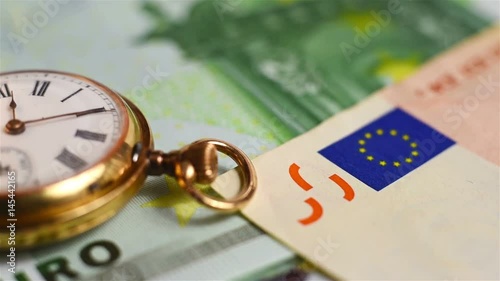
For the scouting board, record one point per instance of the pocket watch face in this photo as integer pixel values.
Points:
(54, 126)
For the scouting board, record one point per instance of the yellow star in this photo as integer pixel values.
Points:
(382, 163)
(396, 164)
(184, 205)
(369, 157)
(414, 153)
(413, 144)
(393, 132)
(408, 160)
(406, 137)
(361, 142)
(380, 132)
(362, 150)
(368, 135)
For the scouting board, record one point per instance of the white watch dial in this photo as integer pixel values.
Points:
(69, 125)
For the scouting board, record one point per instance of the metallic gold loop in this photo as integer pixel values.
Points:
(186, 178)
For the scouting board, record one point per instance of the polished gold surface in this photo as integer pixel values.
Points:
(186, 176)
(14, 127)
(196, 163)
(203, 157)
(47, 214)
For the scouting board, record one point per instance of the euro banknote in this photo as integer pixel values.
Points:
(77, 38)
(210, 81)
(306, 60)
(404, 185)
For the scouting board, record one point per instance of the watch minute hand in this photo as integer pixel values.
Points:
(77, 114)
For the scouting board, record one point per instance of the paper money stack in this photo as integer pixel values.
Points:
(401, 185)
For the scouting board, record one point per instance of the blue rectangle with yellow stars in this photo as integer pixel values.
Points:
(386, 149)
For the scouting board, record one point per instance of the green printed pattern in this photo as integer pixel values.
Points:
(224, 104)
(307, 60)
(163, 260)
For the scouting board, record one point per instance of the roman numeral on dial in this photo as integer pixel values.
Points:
(88, 135)
(4, 91)
(71, 160)
(40, 88)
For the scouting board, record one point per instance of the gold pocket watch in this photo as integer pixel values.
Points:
(73, 152)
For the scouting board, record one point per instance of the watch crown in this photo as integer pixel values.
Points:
(202, 156)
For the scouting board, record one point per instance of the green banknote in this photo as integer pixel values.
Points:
(255, 73)
(306, 60)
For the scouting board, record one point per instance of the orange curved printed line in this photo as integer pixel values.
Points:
(348, 191)
(293, 170)
(317, 211)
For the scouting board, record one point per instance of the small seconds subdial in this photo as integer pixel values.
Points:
(17, 161)
(62, 124)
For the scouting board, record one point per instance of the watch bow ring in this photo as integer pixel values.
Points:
(73, 152)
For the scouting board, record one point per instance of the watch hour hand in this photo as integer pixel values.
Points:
(13, 105)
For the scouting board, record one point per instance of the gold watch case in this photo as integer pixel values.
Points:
(55, 212)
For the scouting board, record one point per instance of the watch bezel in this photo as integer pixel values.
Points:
(120, 106)
(54, 212)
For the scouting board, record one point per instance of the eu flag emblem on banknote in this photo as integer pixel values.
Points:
(386, 149)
